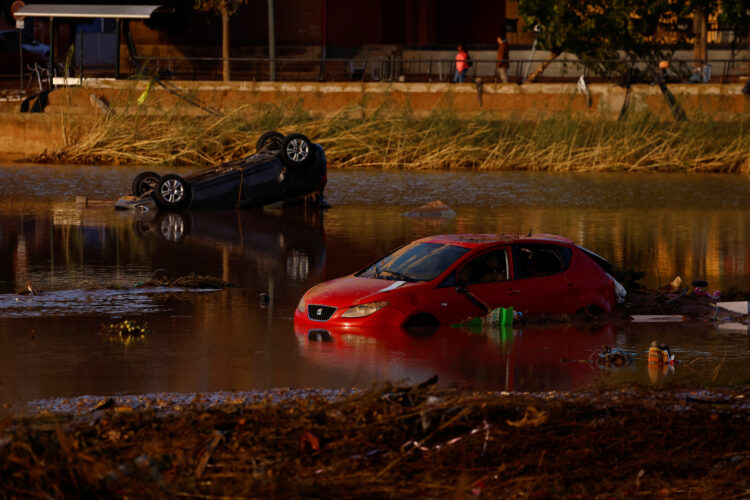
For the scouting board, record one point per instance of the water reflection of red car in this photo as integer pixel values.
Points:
(441, 280)
(528, 359)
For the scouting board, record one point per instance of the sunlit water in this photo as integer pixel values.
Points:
(694, 226)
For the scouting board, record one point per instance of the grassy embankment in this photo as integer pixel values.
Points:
(391, 137)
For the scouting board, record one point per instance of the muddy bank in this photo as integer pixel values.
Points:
(389, 442)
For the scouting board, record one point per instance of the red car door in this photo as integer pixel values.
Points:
(530, 277)
(540, 278)
(487, 278)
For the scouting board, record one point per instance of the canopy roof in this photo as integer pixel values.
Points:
(87, 11)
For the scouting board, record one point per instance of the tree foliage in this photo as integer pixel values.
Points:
(731, 14)
(597, 29)
(609, 29)
(219, 6)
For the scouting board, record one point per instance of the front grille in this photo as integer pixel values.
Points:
(320, 313)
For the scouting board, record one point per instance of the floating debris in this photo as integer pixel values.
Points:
(500, 316)
(658, 354)
(739, 307)
(29, 290)
(192, 280)
(436, 209)
(606, 355)
(657, 318)
(127, 331)
(613, 356)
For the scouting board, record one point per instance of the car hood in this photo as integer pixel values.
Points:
(352, 290)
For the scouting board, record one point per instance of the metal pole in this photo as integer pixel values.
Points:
(323, 40)
(50, 63)
(271, 41)
(528, 64)
(118, 32)
(80, 55)
(20, 59)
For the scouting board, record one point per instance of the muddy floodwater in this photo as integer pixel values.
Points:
(693, 226)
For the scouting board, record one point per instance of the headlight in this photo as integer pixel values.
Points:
(364, 310)
(301, 305)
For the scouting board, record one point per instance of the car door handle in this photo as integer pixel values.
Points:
(514, 291)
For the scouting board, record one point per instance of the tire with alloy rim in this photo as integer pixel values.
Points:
(144, 183)
(172, 192)
(270, 140)
(296, 150)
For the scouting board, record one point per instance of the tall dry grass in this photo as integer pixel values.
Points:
(394, 137)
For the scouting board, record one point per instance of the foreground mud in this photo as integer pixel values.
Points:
(387, 442)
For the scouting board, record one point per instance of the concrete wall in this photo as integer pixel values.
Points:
(72, 110)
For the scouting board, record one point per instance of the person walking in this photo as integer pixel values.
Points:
(462, 64)
(503, 55)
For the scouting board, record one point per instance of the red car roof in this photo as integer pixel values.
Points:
(479, 240)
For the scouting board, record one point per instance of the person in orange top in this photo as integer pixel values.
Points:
(462, 65)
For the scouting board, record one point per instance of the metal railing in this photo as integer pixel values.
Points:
(395, 69)
(398, 69)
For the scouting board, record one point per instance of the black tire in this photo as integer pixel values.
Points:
(270, 140)
(172, 192)
(145, 182)
(296, 151)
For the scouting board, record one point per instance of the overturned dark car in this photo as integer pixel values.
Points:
(284, 169)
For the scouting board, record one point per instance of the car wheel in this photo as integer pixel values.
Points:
(172, 192)
(296, 150)
(144, 183)
(270, 140)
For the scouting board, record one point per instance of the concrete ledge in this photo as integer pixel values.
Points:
(26, 134)
(406, 87)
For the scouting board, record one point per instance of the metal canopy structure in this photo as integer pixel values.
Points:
(87, 11)
(81, 11)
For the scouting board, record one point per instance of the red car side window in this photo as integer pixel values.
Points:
(534, 260)
(489, 267)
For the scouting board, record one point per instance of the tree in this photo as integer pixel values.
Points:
(731, 14)
(598, 29)
(225, 8)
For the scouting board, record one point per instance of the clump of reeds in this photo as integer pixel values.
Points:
(394, 137)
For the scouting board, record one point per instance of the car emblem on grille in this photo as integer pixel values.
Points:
(319, 312)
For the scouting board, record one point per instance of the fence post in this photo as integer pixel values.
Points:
(271, 42)
(80, 56)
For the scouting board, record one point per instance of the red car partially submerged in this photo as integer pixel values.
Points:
(445, 279)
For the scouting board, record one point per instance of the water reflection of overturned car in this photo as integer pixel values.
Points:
(293, 238)
(289, 169)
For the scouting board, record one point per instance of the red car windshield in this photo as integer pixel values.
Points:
(415, 262)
